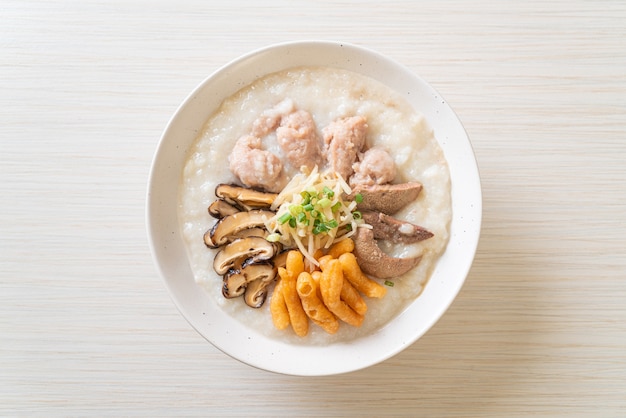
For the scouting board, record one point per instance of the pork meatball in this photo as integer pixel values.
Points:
(297, 136)
(256, 167)
(343, 141)
(269, 120)
(375, 166)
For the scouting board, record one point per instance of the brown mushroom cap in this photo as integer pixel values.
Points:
(252, 232)
(233, 283)
(256, 293)
(227, 228)
(244, 197)
(256, 290)
(220, 208)
(374, 262)
(238, 279)
(244, 233)
(256, 248)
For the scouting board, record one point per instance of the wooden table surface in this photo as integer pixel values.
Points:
(87, 327)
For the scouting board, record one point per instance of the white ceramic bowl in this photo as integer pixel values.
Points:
(231, 336)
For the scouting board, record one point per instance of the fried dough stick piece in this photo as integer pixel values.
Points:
(349, 294)
(359, 280)
(352, 297)
(278, 308)
(297, 316)
(331, 283)
(313, 306)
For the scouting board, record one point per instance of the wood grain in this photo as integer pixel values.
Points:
(87, 327)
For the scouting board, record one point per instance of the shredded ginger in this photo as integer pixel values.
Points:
(311, 213)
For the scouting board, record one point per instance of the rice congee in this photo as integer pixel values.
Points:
(328, 95)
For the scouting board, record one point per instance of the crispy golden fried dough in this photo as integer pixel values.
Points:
(278, 308)
(331, 283)
(316, 275)
(352, 298)
(294, 263)
(297, 316)
(359, 280)
(324, 260)
(341, 247)
(313, 306)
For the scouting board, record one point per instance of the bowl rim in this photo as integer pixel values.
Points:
(351, 355)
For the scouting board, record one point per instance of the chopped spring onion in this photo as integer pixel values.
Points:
(284, 218)
(311, 213)
(324, 202)
(275, 237)
(389, 283)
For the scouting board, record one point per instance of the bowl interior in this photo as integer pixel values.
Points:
(244, 343)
